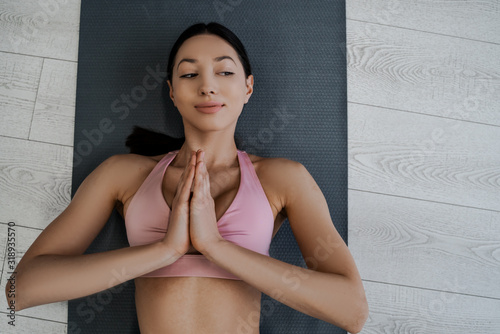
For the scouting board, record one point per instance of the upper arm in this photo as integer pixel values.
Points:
(321, 245)
(76, 227)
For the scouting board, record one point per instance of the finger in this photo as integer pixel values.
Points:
(198, 178)
(192, 163)
(200, 155)
(204, 174)
(183, 178)
(192, 158)
(184, 175)
(188, 165)
(190, 170)
(189, 162)
(186, 178)
(202, 182)
(187, 184)
(200, 159)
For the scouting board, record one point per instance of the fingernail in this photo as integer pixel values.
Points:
(202, 154)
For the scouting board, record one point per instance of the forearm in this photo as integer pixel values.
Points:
(330, 297)
(51, 278)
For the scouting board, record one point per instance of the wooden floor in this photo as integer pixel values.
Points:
(424, 163)
(424, 154)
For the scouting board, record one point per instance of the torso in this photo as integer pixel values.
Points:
(200, 304)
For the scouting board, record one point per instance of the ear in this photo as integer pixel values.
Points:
(249, 84)
(171, 91)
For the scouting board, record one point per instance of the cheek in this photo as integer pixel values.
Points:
(238, 90)
(181, 92)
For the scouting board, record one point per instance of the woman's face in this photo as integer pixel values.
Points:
(207, 69)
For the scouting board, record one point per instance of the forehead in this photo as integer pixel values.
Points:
(209, 46)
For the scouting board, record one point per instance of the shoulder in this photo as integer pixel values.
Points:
(276, 166)
(118, 164)
(280, 175)
(122, 171)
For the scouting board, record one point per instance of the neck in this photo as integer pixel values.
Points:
(220, 150)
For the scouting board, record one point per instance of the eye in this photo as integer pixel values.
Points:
(189, 75)
(226, 73)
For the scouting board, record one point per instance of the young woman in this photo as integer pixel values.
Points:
(199, 218)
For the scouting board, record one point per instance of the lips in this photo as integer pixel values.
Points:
(209, 104)
(209, 107)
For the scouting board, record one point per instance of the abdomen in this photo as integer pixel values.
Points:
(196, 305)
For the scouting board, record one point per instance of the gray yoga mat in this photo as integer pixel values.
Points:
(298, 111)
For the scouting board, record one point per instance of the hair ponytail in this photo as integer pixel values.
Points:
(147, 142)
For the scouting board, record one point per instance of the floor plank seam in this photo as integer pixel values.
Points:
(34, 141)
(419, 113)
(3, 260)
(24, 226)
(35, 56)
(426, 32)
(430, 289)
(46, 142)
(36, 318)
(424, 200)
(36, 98)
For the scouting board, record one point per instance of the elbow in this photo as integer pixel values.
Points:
(14, 303)
(359, 317)
(352, 308)
(10, 294)
(357, 325)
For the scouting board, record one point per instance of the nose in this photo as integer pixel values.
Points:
(208, 85)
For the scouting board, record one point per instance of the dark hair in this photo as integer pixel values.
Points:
(213, 28)
(146, 142)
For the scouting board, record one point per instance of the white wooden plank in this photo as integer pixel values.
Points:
(35, 181)
(398, 309)
(423, 72)
(24, 237)
(27, 325)
(19, 78)
(425, 244)
(40, 28)
(424, 157)
(54, 116)
(476, 19)
(3, 243)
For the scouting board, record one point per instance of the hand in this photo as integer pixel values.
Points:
(177, 235)
(202, 219)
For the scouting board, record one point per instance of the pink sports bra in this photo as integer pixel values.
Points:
(248, 222)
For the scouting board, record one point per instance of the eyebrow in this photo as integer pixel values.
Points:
(191, 60)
